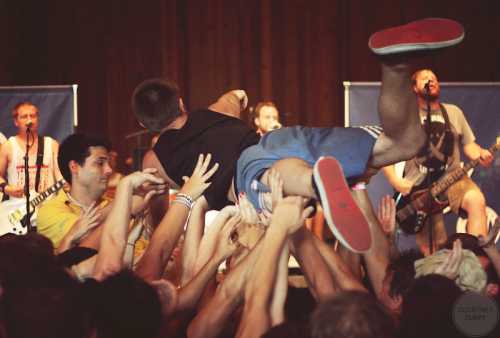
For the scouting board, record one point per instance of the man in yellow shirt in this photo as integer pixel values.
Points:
(74, 216)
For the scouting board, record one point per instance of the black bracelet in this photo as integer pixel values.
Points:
(2, 186)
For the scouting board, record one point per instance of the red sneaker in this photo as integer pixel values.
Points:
(342, 214)
(418, 35)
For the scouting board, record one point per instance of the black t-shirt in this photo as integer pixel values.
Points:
(205, 132)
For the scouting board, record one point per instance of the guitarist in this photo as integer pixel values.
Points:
(42, 156)
(447, 130)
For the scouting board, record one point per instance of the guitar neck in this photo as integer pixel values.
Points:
(447, 180)
(43, 195)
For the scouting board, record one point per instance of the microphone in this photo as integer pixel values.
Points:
(426, 87)
(29, 125)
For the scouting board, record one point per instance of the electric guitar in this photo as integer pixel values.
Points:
(415, 209)
(13, 212)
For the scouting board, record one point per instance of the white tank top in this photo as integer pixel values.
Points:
(15, 168)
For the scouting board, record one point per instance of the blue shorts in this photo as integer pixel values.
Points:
(352, 147)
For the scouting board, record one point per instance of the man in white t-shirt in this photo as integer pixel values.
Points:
(448, 132)
(13, 151)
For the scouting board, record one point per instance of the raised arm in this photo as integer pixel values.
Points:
(231, 103)
(115, 228)
(288, 216)
(166, 235)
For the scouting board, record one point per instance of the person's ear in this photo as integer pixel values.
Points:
(256, 121)
(73, 167)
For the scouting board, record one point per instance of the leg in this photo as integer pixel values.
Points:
(439, 235)
(403, 133)
(475, 205)
(466, 195)
(296, 175)
(397, 105)
(325, 181)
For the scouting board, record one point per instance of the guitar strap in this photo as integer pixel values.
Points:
(447, 132)
(39, 161)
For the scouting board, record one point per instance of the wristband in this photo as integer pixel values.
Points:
(359, 186)
(2, 186)
(184, 199)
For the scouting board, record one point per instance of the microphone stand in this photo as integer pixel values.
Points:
(27, 218)
(428, 131)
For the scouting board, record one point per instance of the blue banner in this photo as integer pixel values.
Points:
(479, 102)
(56, 107)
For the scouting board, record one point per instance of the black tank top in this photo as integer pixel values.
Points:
(204, 132)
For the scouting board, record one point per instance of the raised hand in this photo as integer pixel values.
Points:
(489, 240)
(242, 97)
(195, 185)
(449, 268)
(485, 157)
(386, 214)
(227, 243)
(290, 213)
(145, 182)
(248, 213)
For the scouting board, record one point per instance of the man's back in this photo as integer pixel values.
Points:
(204, 132)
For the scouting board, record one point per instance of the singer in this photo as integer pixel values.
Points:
(42, 173)
(447, 128)
(267, 117)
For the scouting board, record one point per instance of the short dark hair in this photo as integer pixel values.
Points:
(403, 272)
(21, 104)
(353, 314)
(430, 302)
(155, 103)
(76, 147)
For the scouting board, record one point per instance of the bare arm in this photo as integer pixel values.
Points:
(55, 151)
(288, 216)
(167, 233)
(192, 239)
(231, 103)
(191, 293)
(377, 258)
(488, 245)
(343, 278)
(400, 184)
(211, 319)
(313, 266)
(11, 190)
(474, 151)
(115, 228)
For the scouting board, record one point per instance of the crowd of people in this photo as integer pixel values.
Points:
(135, 263)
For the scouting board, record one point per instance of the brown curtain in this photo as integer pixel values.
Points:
(294, 52)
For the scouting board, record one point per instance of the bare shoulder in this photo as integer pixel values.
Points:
(6, 148)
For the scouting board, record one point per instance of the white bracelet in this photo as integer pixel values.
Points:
(184, 199)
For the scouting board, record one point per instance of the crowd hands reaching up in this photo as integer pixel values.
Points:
(115, 293)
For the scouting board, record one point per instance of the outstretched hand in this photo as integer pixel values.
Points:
(196, 185)
(145, 182)
(290, 213)
(489, 240)
(449, 268)
(386, 214)
(227, 243)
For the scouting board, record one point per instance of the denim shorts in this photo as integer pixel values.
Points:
(352, 147)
